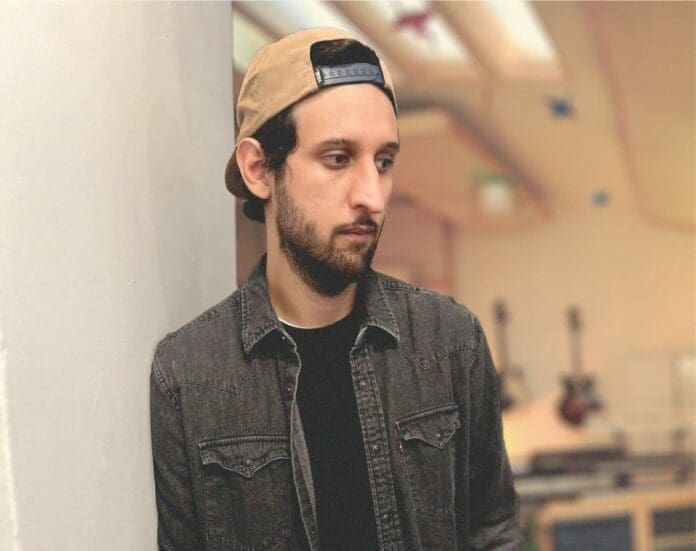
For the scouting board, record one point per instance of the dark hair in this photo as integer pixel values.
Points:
(278, 135)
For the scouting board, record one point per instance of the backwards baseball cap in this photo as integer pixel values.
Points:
(281, 74)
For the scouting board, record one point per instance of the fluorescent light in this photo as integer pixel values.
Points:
(523, 28)
(285, 17)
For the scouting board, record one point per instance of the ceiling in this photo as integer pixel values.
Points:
(497, 138)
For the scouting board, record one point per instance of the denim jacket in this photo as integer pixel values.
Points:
(230, 462)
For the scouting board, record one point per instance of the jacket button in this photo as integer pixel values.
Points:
(385, 517)
(376, 448)
(362, 384)
(438, 435)
(247, 462)
(289, 388)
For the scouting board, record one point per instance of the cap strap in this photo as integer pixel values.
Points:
(348, 74)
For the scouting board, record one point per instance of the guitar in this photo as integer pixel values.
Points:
(510, 378)
(580, 396)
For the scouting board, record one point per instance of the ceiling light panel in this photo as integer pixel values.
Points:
(523, 29)
(285, 17)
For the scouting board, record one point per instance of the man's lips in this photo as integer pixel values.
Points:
(360, 233)
(360, 230)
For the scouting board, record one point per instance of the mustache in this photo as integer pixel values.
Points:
(363, 225)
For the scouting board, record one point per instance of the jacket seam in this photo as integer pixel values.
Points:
(224, 388)
(428, 411)
(163, 386)
(412, 290)
(391, 283)
(226, 440)
(430, 363)
(228, 389)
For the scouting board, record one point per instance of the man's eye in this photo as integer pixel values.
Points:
(336, 160)
(384, 164)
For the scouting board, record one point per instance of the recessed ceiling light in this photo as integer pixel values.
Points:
(496, 195)
(560, 107)
(599, 197)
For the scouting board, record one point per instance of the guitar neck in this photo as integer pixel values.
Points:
(575, 350)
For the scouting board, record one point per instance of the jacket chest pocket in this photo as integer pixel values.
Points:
(246, 485)
(426, 440)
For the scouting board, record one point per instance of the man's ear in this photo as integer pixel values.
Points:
(250, 160)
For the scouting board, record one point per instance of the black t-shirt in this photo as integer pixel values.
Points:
(329, 414)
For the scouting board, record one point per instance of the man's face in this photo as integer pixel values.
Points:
(330, 204)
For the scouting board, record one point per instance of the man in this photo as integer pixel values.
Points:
(323, 405)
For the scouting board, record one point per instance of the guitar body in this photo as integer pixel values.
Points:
(580, 396)
(579, 399)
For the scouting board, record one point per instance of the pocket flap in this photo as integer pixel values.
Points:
(244, 454)
(434, 426)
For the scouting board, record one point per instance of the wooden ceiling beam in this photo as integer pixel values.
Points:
(627, 130)
(473, 25)
(489, 45)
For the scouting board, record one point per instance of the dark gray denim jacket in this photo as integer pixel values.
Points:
(231, 465)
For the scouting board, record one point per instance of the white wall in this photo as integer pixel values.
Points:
(8, 520)
(115, 227)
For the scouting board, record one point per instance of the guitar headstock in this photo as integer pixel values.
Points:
(501, 315)
(574, 322)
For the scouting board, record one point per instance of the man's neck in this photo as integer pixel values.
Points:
(297, 303)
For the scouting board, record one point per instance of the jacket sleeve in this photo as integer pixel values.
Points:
(493, 515)
(178, 528)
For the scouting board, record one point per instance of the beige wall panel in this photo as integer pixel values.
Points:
(633, 282)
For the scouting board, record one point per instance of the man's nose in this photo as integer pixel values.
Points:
(368, 188)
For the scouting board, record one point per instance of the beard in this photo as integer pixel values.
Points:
(324, 267)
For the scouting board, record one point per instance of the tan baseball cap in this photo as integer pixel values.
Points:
(281, 74)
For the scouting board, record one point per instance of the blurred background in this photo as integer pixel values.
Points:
(546, 180)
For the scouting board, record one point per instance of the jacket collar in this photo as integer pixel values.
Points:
(260, 320)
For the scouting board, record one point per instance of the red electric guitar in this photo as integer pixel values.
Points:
(580, 396)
